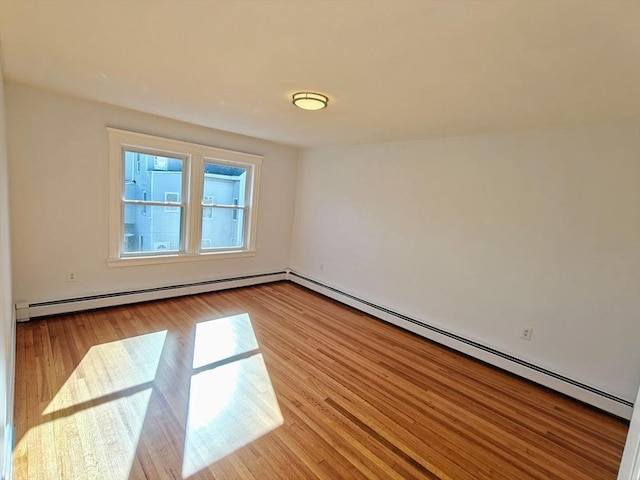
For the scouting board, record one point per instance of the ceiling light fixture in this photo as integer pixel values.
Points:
(310, 100)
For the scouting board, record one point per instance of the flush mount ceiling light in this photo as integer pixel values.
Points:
(310, 100)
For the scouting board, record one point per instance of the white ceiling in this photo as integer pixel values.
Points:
(394, 70)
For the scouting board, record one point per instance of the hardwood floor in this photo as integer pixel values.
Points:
(276, 382)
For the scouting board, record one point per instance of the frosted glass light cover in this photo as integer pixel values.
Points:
(310, 100)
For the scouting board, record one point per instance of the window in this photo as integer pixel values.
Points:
(177, 201)
(227, 185)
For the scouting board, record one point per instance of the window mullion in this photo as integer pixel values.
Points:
(195, 200)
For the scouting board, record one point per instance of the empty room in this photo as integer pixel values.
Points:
(317, 239)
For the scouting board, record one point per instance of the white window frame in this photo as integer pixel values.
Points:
(193, 156)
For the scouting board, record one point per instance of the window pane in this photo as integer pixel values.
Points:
(222, 228)
(223, 184)
(152, 229)
(145, 173)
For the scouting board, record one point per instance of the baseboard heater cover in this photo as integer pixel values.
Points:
(56, 307)
(585, 393)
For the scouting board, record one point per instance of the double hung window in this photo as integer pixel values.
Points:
(177, 201)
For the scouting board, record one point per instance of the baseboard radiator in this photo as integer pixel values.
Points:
(588, 394)
(585, 393)
(40, 309)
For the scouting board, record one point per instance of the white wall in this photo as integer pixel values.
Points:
(58, 154)
(7, 322)
(484, 235)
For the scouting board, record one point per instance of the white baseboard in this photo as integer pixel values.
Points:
(585, 393)
(40, 309)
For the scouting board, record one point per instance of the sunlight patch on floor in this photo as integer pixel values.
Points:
(222, 338)
(229, 407)
(105, 436)
(110, 368)
(98, 413)
(231, 404)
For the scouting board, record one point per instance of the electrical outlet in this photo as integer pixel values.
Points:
(71, 276)
(526, 333)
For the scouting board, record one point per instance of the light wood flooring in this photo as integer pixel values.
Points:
(277, 382)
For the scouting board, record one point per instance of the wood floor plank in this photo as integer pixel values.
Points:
(277, 382)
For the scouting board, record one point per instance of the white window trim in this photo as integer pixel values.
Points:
(195, 156)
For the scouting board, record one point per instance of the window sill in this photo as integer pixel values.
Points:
(177, 258)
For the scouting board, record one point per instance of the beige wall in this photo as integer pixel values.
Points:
(7, 323)
(58, 152)
(483, 235)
